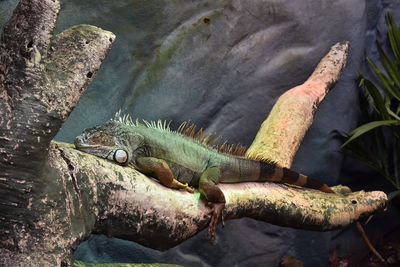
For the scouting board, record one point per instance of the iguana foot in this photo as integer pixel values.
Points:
(188, 188)
(216, 218)
(176, 184)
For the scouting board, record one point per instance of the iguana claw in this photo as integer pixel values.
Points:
(216, 218)
(176, 184)
(188, 188)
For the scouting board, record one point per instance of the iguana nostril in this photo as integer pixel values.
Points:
(78, 141)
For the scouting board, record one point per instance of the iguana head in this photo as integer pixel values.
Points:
(113, 140)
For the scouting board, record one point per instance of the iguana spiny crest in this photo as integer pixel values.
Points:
(115, 140)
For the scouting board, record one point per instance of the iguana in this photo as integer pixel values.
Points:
(184, 159)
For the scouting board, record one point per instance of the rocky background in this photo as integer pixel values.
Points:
(222, 64)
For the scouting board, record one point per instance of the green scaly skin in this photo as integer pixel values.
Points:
(181, 162)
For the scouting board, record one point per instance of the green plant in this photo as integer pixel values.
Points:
(379, 146)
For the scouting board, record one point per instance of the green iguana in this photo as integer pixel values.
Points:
(184, 159)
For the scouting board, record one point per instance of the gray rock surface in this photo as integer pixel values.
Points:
(222, 65)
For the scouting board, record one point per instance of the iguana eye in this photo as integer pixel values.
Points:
(120, 156)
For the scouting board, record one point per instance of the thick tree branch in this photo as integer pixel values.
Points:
(75, 56)
(130, 205)
(281, 133)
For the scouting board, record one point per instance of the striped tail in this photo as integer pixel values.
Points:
(240, 169)
(273, 173)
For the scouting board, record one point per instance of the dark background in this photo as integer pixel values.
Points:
(222, 65)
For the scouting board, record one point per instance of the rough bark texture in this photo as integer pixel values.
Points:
(281, 133)
(50, 199)
(41, 80)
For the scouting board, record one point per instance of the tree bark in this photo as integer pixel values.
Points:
(41, 80)
(53, 196)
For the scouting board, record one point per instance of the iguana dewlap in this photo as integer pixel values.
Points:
(182, 162)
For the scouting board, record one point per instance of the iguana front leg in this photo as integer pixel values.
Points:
(159, 169)
(209, 189)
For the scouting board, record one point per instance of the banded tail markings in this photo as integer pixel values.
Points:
(274, 173)
(249, 170)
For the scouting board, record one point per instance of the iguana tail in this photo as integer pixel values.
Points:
(248, 170)
(274, 173)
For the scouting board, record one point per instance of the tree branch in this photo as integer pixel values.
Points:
(74, 58)
(132, 206)
(281, 133)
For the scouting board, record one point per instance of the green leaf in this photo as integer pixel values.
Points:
(375, 95)
(388, 84)
(398, 109)
(394, 115)
(370, 102)
(394, 36)
(389, 66)
(382, 150)
(359, 153)
(368, 127)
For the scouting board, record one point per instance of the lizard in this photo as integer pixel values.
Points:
(184, 159)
